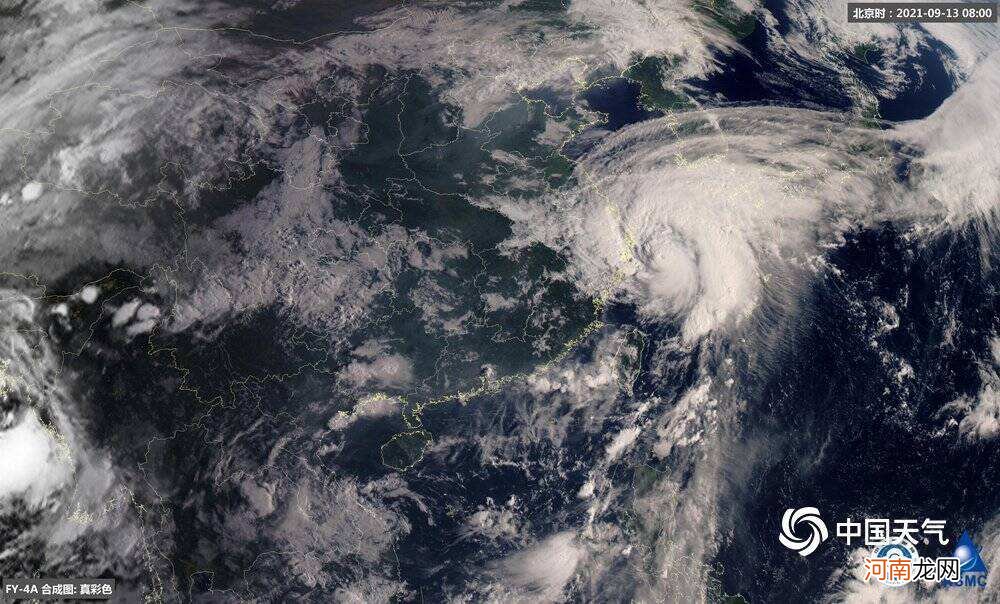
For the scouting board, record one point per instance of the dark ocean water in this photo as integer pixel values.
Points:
(618, 98)
(843, 434)
(833, 424)
(760, 75)
(928, 84)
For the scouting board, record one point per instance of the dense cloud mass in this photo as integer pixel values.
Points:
(525, 300)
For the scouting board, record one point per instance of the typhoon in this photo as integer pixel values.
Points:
(494, 301)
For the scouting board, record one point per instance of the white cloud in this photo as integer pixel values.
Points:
(32, 466)
(960, 164)
(382, 370)
(125, 312)
(622, 441)
(89, 294)
(492, 53)
(685, 215)
(978, 416)
(542, 571)
(32, 191)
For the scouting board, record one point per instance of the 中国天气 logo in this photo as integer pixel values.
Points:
(795, 523)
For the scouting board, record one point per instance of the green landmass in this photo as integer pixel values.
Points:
(405, 449)
(726, 15)
(655, 93)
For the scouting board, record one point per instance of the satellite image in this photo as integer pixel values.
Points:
(499, 301)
